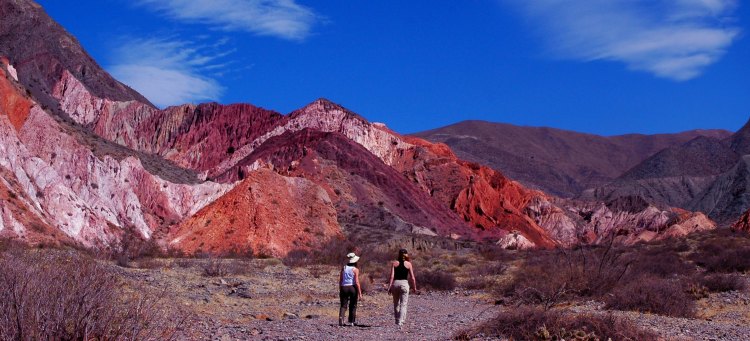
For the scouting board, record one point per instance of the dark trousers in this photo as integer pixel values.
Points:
(348, 296)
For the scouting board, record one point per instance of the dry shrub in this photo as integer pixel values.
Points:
(437, 280)
(238, 267)
(494, 253)
(527, 323)
(133, 247)
(478, 283)
(723, 282)
(491, 269)
(659, 262)
(55, 295)
(215, 267)
(723, 259)
(550, 277)
(652, 295)
(331, 253)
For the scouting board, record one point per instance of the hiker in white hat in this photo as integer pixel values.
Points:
(349, 289)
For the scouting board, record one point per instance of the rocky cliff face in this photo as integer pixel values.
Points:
(91, 196)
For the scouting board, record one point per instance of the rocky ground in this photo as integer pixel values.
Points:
(263, 299)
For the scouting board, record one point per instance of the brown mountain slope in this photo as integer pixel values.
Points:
(673, 176)
(557, 161)
(41, 50)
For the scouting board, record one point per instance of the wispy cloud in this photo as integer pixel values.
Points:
(674, 39)
(279, 18)
(168, 72)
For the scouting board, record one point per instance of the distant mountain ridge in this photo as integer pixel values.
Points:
(557, 161)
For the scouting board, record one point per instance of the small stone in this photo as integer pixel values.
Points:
(290, 316)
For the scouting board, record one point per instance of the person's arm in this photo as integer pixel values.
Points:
(390, 281)
(411, 274)
(356, 281)
(341, 277)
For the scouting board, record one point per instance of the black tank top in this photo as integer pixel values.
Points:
(400, 272)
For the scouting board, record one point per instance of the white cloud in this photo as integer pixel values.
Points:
(168, 72)
(674, 39)
(280, 18)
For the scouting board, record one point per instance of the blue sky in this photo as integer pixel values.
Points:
(604, 67)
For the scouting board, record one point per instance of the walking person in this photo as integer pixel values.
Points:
(401, 271)
(349, 290)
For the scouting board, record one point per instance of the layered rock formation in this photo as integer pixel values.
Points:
(87, 188)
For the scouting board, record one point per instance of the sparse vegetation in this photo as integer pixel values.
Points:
(437, 280)
(64, 295)
(529, 323)
(215, 267)
(652, 295)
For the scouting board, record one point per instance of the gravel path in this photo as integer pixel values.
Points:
(432, 316)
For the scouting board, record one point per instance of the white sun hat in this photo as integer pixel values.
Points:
(353, 258)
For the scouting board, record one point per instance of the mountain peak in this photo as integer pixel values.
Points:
(42, 50)
(322, 107)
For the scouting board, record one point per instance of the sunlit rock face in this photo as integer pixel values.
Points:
(90, 195)
(267, 213)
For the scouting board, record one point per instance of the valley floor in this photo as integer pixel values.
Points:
(262, 299)
(269, 301)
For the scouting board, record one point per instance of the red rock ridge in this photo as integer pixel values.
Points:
(267, 213)
(366, 191)
(12, 103)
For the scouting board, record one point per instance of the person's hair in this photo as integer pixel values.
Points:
(403, 256)
(353, 264)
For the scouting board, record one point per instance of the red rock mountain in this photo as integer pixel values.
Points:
(84, 159)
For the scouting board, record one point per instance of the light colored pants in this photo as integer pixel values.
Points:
(400, 292)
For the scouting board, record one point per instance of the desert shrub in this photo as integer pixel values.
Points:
(660, 262)
(527, 323)
(437, 280)
(214, 267)
(238, 267)
(297, 258)
(494, 253)
(553, 276)
(477, 283)
(331, 253)
(63, 295)
(652, 295)
(727, 259)
(133, 247)
(723, 282)
(488, 269)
